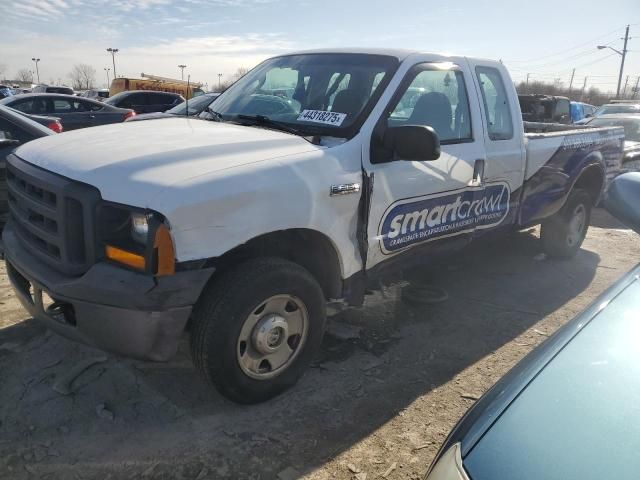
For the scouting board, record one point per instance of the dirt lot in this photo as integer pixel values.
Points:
(380, 402)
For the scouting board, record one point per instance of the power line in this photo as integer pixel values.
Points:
(583, 53)
(572, 48)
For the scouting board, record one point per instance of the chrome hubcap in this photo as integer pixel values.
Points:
(272, 336)
(577, 225)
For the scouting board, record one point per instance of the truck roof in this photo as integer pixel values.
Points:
(399, 53)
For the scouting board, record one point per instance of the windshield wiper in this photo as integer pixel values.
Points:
(267, 122)
(217, 116)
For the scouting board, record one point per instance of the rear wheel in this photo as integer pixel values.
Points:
(257, 327)
(563, 233)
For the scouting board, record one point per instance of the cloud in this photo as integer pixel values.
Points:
(205, 56)
(216, 46)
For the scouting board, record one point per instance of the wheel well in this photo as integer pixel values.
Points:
(308, 248)
(591, 180)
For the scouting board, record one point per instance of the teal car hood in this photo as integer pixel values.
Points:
(579, 418)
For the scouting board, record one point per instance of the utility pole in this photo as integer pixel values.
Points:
(624, 90)
(106, 69)
(182, 67)
(527, 85)
(584, 85)
(624, 55)
(635, 89)
(113, 52)
(36, 61)
(219, 80)
(571, 82)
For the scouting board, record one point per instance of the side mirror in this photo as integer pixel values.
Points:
(413, 142)
(623, 199)
(6, 141)
(588, 115)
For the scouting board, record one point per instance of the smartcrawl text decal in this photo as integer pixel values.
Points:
(422, 219)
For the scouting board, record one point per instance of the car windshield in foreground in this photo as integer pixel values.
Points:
(631, 126)
(319, 94)
(196, 105)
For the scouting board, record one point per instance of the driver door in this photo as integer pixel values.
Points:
(422, 203)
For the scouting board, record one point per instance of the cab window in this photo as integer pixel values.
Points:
(436, 98)
(496, 103)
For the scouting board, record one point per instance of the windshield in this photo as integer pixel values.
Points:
(64, 90)
(114, 100)
(631, 126)
(314, 93)
(606, 109)
(196, 105)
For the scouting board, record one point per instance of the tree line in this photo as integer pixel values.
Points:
(592, 95)
(83, 77)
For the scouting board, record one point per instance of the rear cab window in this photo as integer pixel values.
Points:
(497, 110)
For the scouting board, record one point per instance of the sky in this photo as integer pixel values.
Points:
(546, 39)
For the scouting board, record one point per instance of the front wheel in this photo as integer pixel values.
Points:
(563, 233)
(257, 327)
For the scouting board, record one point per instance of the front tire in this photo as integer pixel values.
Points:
(256, 328)
(563, 233)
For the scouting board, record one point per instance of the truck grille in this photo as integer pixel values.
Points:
(53, 216)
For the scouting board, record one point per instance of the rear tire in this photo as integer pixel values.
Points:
(563, 233)
(256, 328)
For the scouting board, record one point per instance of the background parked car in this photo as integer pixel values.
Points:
(145, 101)
(52, 123)
(617, 108)
(631, 125)
(52, 89)
(545, 108)
(580, 111)
(74, 112)
(589, 110)
(15, 129)
(195, 107)
(98, 94)
(569, 410)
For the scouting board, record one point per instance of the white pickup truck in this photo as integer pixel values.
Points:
(315, 175)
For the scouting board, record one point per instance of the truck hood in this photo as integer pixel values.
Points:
(133, 162)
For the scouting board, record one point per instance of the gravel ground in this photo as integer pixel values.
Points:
(392, 379)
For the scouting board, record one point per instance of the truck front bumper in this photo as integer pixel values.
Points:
(108, 307)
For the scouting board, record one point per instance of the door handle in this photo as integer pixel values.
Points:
(478, 172)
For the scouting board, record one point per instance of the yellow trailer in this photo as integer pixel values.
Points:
(155, 83)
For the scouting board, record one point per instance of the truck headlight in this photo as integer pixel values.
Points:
(136, 238)
(139, 227)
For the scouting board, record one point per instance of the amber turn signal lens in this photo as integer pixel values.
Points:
(164, 248)
(127, 258)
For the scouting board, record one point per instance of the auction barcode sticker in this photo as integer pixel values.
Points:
(321, 116)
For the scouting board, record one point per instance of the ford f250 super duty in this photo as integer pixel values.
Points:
(316, 175)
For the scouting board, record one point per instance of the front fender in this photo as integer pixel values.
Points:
(212, 215)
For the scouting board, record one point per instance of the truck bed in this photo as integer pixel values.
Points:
(545, 142)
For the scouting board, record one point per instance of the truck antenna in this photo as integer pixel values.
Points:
(186, 111)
